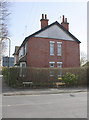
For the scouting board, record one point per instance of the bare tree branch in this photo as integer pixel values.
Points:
(4, 13)
(83, 59)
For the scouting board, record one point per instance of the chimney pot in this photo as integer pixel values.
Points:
(42, 16)
(45, 16)
(63, 18)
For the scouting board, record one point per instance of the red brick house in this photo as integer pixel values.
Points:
(52, 46)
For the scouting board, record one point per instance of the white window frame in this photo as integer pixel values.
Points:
(21, 63)
(51, 63)
(21, 53)
(14, 59)
(25, 48)
(52, 47)
(59, 65)
(51, 71)
(22, 70)
(59, 48)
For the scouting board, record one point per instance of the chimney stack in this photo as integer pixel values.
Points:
(64, 23)
(44, 21)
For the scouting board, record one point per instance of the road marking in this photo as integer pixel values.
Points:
(27, 104)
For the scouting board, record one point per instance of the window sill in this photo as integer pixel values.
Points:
(51, 54)
(59, 55)
(51, 75)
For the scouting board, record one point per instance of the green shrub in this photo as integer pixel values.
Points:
(81, 72)
(11, 76)
(69, 79)
(5, 74)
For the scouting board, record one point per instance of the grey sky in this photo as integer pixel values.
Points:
(25, 19)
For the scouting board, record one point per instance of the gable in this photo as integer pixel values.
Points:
(55, 32)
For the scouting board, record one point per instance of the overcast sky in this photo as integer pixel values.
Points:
(25, 19)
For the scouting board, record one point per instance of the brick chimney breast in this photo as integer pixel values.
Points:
(44, 21)
(64, 23)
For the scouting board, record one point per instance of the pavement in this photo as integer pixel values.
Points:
(8, 91)
(41, 91)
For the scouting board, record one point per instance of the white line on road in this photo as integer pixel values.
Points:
(15, 105)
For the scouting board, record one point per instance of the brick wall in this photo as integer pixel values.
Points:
(38, 54)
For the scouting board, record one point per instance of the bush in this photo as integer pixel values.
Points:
(11, 77)
(81, 72)
(69, 79)
(5, 73)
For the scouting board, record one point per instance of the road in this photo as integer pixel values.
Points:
(67, 105)
(0, 96)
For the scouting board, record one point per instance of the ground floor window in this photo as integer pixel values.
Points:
(59, 72)
(51, 73)
(59, 65)
(23, 64)
(51, 64)
(22, 69)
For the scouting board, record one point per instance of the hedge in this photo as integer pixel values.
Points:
(42, 77)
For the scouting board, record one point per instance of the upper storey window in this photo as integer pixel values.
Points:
(52, 47)
(59, 48)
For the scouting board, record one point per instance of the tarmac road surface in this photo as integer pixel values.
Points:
(68, 105)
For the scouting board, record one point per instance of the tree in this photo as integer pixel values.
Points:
(83, 58)
(86, 64)
(3, 25)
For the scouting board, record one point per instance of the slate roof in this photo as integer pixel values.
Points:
(54, 23)
(16, 49)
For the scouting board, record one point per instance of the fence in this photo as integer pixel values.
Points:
(42, 77)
